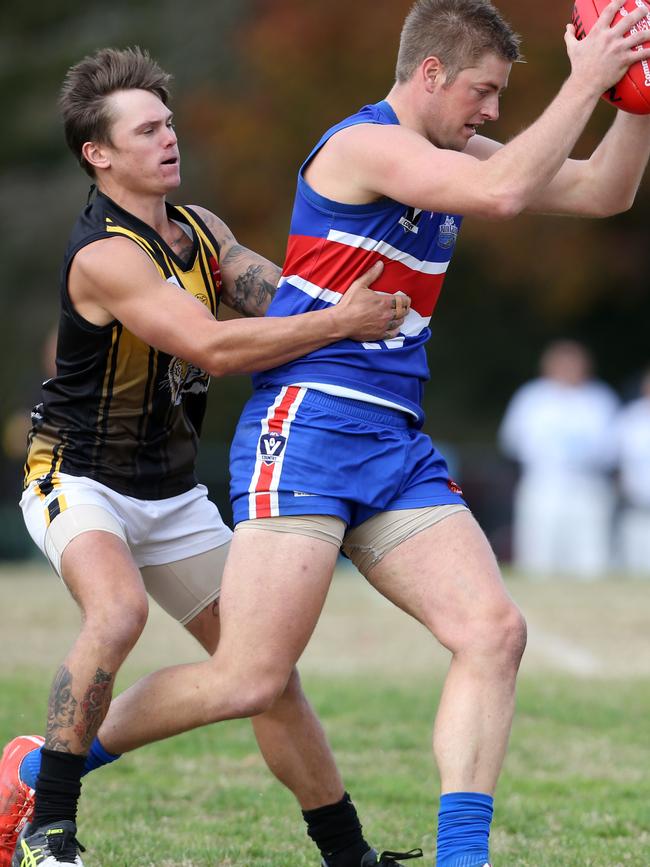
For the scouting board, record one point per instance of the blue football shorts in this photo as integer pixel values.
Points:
(298, 451)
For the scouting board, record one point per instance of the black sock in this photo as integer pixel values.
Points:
(57, 788)
(336, 830)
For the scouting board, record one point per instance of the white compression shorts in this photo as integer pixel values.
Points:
(367, 544)
(179, 544)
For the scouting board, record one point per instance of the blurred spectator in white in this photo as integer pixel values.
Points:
(633, 440)
(559, 428)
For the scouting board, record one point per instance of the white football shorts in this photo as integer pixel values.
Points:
(173, 541)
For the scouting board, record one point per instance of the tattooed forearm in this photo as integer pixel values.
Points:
(93, 707)
(60, 711)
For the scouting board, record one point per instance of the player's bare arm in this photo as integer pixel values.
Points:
(600, 186)
(249, 280)
(112, 279)
(403, 164)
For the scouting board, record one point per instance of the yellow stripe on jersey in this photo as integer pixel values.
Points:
(206, 248)
(202, 235)
(173, 271)
(142, 242)
(109, 376)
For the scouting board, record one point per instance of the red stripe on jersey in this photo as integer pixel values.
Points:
(263, 506)
(281, 412)
(334, 266)
(275, 423)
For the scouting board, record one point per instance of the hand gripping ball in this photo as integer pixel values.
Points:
(632, 93)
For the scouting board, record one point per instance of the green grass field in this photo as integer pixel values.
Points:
(575, 790)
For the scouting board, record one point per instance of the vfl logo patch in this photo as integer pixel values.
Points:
(447, 233)
(411, 219)
(271, 447)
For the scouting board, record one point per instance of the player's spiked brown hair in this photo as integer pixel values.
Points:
(83, 98)
(457, 32)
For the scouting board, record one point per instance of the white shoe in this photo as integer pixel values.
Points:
(49, 846)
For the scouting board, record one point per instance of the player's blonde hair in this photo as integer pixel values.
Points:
(457, 32)
(83, 99)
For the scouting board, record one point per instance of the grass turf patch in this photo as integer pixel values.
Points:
(574, 792)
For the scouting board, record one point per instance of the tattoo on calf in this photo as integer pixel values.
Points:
(60, 711)
(63, 710)
(94, 706)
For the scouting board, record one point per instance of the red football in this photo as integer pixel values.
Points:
(632, 93)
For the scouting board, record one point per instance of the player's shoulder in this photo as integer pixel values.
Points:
(376, 151)
(359, 134)
(215, 224)
(200, 211)
(102, 249)
(106, 256)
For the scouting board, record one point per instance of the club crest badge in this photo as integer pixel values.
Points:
(447, 233)
(271, 447)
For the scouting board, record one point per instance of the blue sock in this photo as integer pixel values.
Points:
(31, 764)
(98, 757)
(464, 829)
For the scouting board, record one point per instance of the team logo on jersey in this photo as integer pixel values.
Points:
(184, 378)
(411, 219)
(454, 488)
(271, 447)
(447, 233)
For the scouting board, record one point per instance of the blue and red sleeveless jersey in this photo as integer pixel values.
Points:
(330, 244)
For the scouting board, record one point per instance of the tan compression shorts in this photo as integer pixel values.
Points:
(367, 544)
(182, 588)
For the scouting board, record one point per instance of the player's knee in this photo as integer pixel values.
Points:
(291, 699)
(503, 636)
(264, 696)
(117, 628)
(293, 687)
(514, 633)
(497, 635)
(260, 695)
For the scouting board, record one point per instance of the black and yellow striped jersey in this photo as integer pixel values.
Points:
(118, 410)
